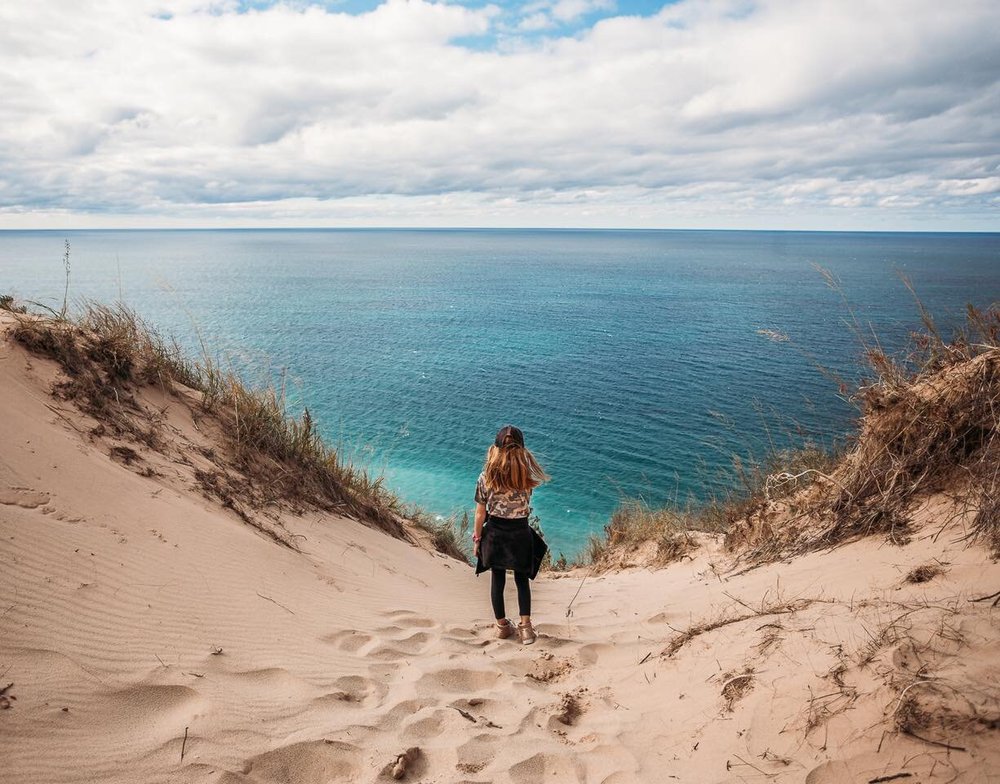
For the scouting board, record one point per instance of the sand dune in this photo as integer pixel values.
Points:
(152, 635)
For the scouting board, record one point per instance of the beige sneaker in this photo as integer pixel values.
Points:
(505, 629)
(526, 633)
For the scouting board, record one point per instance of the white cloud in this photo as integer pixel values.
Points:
(571, 10)
(536, 21)
(728, 111)
(549, 14)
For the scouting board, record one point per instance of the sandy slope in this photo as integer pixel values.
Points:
(134, 613)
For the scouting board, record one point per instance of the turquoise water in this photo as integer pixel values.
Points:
(633, 360)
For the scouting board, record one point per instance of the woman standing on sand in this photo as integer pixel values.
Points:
(502, 538)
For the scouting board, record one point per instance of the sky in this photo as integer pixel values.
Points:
(769, 114)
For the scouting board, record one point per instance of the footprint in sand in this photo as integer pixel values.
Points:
(163, 710)
(489, 713)
(398, 713)
(392, 643)
(348, 640)
(477, 754)
(413, 644)
(461, 640)
(461, 632)
(312, 762)
(548, 640)
(591, 654)
(430, 723)
(407, 619)
(621, 777)
(24, 497)
(356, 689)
(457, 681)
(400, 625)
(613, 763)
(459, 645)
(273, 686)
(400, 648)
(386, 653)
(546, 768)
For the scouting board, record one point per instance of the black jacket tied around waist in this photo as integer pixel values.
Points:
(510, 543)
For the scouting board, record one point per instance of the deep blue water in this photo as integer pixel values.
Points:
(632, 359)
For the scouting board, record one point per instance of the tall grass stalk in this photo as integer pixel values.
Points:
(66, 267)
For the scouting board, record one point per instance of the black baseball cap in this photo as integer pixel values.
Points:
(509, 433)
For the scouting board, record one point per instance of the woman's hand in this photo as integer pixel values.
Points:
(477, 531)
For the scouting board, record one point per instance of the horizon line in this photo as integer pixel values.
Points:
(576, 229)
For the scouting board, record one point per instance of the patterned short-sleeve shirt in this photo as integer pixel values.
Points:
(514, 503)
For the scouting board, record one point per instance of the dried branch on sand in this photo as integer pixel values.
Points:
(774, 608)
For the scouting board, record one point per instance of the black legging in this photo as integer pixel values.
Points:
(523, 592)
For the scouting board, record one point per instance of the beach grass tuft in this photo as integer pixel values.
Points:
(638, 534)
(929, 423)
(448, 535)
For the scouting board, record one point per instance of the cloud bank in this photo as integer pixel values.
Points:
(827, 114)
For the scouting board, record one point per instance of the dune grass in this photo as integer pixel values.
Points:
(929, 422)
(656, 535)
(107, 353)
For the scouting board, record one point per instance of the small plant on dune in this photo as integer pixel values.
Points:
(735, 685)
(66, 267)
(751, 486)
(449, 535)
(766, 488)
(923, 573)
(933, 712)
(634, 524)
(9, 303)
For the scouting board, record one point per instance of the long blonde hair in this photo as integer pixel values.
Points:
(511, 466)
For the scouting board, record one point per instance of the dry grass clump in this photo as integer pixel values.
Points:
(939, 715)
(930, 422)
(736, 685)
(763, 493)
(449, 535)
(105, 355)
(945, 691)
(761, 483)
(771, 491)
(767, 607)
(923, 573)
(922, 431)
(108, 354)
(641, 535)
(9, 303)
